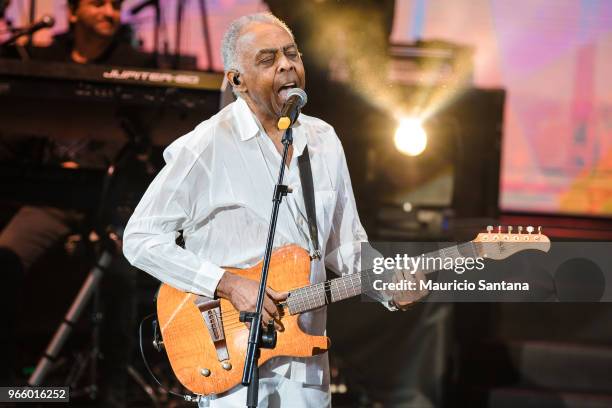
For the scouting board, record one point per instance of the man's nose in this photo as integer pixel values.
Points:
(108, 9)
(285, 64)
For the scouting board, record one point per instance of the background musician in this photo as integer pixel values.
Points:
(96, 36)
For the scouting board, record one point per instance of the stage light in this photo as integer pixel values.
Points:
(410, 137)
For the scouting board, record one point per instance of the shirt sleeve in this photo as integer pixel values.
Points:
(347, 235)
(149, 241)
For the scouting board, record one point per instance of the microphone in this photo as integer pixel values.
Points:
(296, 99)
(45, 21)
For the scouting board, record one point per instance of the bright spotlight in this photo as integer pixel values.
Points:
(410, 137)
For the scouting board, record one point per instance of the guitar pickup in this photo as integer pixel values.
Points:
(210, 309)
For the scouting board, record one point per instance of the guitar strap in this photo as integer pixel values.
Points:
(309, 201)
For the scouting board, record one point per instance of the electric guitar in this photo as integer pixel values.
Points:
(206, 343)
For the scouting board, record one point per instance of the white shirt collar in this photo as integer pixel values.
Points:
(249, 126)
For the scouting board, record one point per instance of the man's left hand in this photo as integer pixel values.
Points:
(402, 299)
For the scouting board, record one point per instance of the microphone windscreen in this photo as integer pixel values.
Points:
(47, 20)
(298, 92)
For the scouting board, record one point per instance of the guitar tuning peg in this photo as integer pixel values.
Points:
(520, 229)
(489, 228)
(509, 229)
(530, 229)
(499, 229)
(539, 230)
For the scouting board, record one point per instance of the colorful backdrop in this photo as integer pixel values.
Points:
(554, 57)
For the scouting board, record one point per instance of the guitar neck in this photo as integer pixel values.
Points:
(320, 294)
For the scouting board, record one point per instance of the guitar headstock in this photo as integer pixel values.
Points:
(500, 245)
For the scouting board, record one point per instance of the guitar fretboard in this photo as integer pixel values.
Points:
(320, 294)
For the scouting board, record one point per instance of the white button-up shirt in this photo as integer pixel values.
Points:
(217, 187)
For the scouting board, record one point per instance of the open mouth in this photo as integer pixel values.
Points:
(283, 90)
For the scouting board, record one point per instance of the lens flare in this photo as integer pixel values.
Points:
(410, 137)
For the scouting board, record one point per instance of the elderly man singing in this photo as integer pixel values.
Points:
(217, 187)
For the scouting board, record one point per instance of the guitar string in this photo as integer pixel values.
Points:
(302, 294)
(302, 297)
(234, 326)
(314, 292)
(237, 325)
(306, 293)
(309, 292)
(233, 318)
(298, 299)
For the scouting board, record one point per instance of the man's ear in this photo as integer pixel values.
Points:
(236, 81)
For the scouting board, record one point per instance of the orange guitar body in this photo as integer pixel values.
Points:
(194, 356)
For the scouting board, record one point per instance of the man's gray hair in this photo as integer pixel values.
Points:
(230, 38)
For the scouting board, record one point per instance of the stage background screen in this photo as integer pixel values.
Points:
(553, 57)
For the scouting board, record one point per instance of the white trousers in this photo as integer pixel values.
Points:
(277, 391)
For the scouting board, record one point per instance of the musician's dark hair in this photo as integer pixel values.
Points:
(73, 4)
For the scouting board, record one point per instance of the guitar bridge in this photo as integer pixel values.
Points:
(210, 310)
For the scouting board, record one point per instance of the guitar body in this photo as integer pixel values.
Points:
(188, 341)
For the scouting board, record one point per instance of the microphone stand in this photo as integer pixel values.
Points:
(206, 35)
(32, 19)
(17, 33)
(180, 8)
(21, 50)
(258, 338)
(156, 28)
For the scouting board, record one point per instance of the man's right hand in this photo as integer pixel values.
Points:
(242, 293)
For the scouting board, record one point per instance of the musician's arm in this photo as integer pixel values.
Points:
(149, 241)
